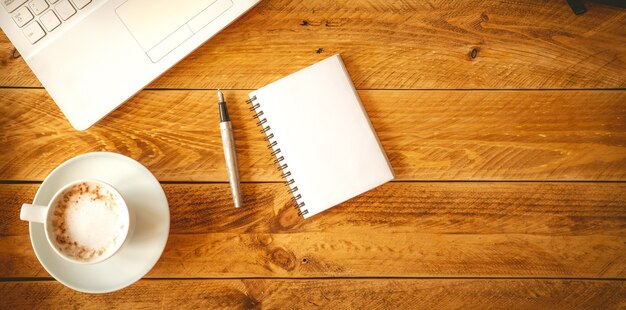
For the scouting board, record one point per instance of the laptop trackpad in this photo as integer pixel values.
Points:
(159, 26)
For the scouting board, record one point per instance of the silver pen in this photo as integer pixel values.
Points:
(229, 150)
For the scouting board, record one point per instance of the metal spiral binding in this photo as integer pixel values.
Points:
(273, 145)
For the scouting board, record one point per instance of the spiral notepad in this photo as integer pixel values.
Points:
(323, 141)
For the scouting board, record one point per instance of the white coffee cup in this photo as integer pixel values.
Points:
(44, 214)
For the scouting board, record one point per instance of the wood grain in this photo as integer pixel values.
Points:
(428, 135)
(456, 229)
(328, 294)
(403, 45)
(420, 68)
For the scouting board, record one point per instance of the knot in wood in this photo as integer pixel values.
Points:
(284, 259)
(474, 53)
(265, 239)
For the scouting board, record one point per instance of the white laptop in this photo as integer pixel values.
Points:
(92, 55)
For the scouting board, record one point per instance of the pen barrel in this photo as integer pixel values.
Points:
(231, 162)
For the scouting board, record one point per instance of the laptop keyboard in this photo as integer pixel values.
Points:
(39, 17)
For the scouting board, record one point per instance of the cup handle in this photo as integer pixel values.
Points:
(33, 213)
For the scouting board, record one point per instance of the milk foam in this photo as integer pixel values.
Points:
(88, 222)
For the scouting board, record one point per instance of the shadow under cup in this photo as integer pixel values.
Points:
(87, 222)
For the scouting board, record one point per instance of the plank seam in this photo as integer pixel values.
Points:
(36, 182)
(366, 89)
(348, 278)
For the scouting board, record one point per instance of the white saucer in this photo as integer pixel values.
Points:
(141, 191)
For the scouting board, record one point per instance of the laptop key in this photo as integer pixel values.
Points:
(50, 20)
(65, 9)
(22, 16)
(81, 3)
(38, 6)
(34, 32)
(12, 5)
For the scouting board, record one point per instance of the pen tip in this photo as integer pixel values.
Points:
(220, 96)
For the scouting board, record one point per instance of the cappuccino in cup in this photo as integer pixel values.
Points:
(88, 221)
(85, 222)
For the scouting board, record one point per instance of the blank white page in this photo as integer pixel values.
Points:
(324, 135)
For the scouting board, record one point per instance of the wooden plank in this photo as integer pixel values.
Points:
(329, 294)
(428, 135)
(404, 45)
(402, 229)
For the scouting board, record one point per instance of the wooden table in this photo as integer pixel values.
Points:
(505, 122)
